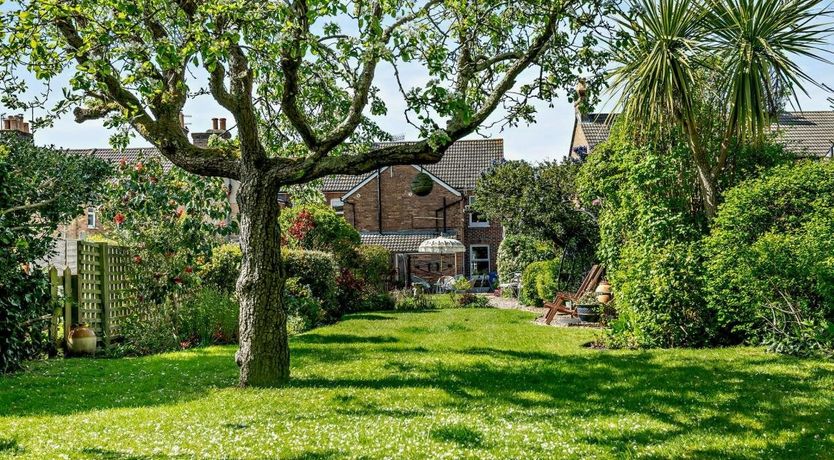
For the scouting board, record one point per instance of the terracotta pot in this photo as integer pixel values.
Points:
(82, 340)
(603, 292)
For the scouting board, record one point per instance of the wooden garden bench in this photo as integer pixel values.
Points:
(592, 278)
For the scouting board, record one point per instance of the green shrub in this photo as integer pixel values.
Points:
(771, 251)
(471, 300)
(516, 252)
(150, 329)
(540, 282)
(223, 268)
(372, 264)
(319, 228)
(303, 307)
(316, 270)
(208, 316)
(23, 298)
(409, 300)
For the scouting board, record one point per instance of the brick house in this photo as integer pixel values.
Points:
(382, 207)
(399, 220)
(808, 134)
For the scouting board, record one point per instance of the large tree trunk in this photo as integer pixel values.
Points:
(264, 355)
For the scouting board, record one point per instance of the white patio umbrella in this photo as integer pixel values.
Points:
(442, 245)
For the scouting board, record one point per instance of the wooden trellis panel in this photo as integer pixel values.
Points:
(101, 294)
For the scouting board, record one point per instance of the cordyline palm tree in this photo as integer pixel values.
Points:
(748, 44)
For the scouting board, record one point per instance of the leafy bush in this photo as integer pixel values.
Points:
(208, 317)
(151, 329)
(23, 298)
(319, 228)
(771, 259)
(39, 189)
(170, 220)
(317, 271)
(303, 308)
(373, 265)
(540, 282)
(409, 300)
(471, 300)
(516, 252)
(223, 268)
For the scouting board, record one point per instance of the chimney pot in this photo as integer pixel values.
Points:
(26, 127)
(214, 124)
(7, 123)
(222, 124)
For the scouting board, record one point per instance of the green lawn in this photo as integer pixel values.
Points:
(440, 384)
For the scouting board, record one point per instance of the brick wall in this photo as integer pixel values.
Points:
(401, 209)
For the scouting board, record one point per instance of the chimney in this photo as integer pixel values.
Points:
(16, 124)
(218, 127)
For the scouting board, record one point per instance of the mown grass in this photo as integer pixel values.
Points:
(465, 383)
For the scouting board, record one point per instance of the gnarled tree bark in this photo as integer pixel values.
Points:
(264, 355)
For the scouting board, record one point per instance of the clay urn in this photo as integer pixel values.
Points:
(82, 340)
(603, 292)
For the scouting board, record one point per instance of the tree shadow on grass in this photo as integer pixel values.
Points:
(343, 338)
(683, 396)
(77, 385)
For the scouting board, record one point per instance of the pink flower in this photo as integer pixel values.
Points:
(139, 166)
(222, 224)
(123, 162)
(596, 202)
(119, 218)
(137, 260)
(180, 211)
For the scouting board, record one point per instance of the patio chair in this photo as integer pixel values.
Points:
(589, 283)
(445, 284)
(513, 285)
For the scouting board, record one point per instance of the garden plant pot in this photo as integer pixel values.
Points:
(82, 341)
(588, 313)
(603, 292)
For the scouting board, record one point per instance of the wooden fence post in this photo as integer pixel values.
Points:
(54, 282)
(69, 295)
(104, 279)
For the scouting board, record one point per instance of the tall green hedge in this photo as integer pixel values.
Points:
(516, 252)
(771, 251)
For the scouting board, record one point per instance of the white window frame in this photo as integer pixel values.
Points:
(337, 203)
(91, 211)
(472, 259)
(475, 223)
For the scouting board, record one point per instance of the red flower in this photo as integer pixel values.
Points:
(137, 260)
(189, 269)
(222, 224)
(302, 224)
(119, 218)
(139, 166)
(177, 280)
(180, 211)
(123, 162)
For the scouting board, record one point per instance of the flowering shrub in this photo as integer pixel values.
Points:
(170, 219)
(319, 228)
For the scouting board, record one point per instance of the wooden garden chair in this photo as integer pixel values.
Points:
(592, 278)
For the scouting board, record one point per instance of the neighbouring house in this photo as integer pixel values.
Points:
(808, 134)
(380, 205)
(383, 208)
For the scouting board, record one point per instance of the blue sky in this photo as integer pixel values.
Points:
(548, 138)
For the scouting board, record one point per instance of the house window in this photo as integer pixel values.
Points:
(91, 217)
(338, 206)
(479, 258)
(475, 219)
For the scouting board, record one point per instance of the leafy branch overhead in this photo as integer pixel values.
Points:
(298, 77)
